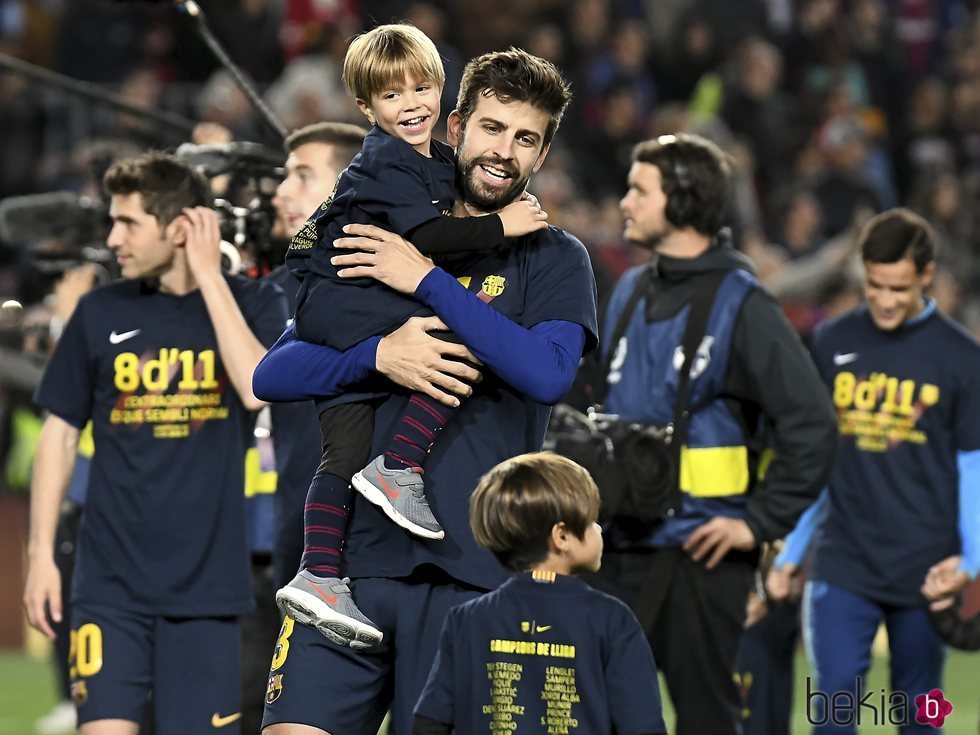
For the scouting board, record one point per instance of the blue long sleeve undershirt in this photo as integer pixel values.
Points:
(798, 541)
(540, 362)
(968, 464)
(293, 370)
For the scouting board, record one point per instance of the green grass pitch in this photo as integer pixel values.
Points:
(27, 692)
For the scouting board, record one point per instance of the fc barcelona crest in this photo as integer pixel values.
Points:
(275, 688)
(493, 286)
(79, 692)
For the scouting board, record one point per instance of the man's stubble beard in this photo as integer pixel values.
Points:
(650, 242)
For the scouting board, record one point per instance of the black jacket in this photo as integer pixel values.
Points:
(771, 375)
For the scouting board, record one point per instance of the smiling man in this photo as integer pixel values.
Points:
(160, 363)
(905, 492)
(526, 312)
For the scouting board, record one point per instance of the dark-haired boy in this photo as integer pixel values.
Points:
(544, 651)
(905, 491)
(161, 363)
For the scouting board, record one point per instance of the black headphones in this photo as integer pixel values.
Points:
(681, 199)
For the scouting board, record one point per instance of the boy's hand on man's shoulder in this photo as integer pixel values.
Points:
(523, 217)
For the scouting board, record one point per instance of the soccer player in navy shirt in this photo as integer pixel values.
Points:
(403, 180)
(527, 313)
(161, 363)
(544, 651)
(905, 492)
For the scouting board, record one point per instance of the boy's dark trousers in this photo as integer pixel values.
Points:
(693, 619)
(765, 670)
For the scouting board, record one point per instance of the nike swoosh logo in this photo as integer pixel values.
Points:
(843, 359)
(219, 721)
(389, 491)
(329, 599)
(543, 628)
(435, 201)
(116, 338)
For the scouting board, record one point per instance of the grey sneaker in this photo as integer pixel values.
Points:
(401, 495)
(327, 605)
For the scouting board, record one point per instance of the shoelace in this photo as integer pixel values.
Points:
(342, 587)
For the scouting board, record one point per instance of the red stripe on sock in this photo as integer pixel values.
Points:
(416, 401)
(419, 428)
(327, 508)
(406, 440)
(397, 458)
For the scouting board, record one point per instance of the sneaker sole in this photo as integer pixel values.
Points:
(378, 498)
(306, 609)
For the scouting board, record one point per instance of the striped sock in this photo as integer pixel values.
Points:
(424, 417)
(325, 524)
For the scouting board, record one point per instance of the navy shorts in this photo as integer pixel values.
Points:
(190, 665)
(315, 682)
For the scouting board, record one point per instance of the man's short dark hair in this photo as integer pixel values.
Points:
(897, 234)
(515, 76)
(166, 184)
(694, 174)
(346, 139)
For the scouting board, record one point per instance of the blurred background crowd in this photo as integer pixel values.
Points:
(830, 109)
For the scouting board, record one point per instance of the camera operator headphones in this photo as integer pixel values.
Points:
(681, 199)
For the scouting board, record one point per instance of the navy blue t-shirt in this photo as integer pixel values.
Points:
(388, 184)
(546, 276)
(164, 525)
(907, 402)
(544, 657)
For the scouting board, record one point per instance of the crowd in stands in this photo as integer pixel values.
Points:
(830, 109)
